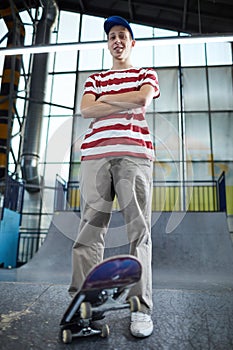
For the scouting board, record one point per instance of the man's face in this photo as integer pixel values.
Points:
(120, 42)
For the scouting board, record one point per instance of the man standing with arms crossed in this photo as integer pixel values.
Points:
(116, 159)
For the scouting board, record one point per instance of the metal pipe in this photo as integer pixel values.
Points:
(34, 120)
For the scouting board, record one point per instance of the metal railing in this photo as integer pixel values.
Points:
(167, 196)
(29, 244)
(13, 195)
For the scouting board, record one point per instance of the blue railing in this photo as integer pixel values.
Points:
(13, 195)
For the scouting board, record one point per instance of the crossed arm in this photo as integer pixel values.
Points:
(110, 104)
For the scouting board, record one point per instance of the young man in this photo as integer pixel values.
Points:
(117, 156)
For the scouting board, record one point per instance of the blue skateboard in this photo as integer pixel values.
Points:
(105, 289)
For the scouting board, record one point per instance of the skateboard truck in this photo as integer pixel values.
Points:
(85, 331)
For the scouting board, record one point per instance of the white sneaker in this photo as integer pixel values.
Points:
(141, 324)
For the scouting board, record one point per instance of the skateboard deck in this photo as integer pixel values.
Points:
(105, 289)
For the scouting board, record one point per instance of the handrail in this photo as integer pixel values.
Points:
(200, 195)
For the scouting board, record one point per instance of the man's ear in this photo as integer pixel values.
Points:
(133, 43)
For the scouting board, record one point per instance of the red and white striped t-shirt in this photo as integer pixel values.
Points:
(124, 133)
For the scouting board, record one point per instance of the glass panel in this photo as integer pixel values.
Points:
(3, 31)
(197, 136)
(91, 59)
(92, 28)
(222, 133)
(166, 171)
(195, 89)
(166, 137)
(59, 140)
(29, 28)
(219, 53)
(166, 56)
(168, 82)
(51, 170)
(68, 27)
(141, 31)
(62, 92)
(107, 59)
(142, 56)
(220, 84)
(25, 62)
(192, 55)
(44, 136)
(65, 61)
(202, 171)
(20, 102)
(166, 196)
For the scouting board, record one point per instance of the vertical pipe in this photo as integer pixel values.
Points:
(34, 119)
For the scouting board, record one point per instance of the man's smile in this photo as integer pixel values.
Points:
(118, 49)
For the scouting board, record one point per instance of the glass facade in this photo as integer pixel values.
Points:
(191, 122)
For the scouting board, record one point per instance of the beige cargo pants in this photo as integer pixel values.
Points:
(130, 179)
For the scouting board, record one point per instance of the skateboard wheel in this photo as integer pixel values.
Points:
(134, 304)
(105, 331)
(66, 336)
(85, 310)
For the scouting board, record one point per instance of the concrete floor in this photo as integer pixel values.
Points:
(183, 320)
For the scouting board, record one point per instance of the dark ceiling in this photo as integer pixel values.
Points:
(191, 16)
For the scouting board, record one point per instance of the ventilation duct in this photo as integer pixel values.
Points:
(10, 81)
(34, 119)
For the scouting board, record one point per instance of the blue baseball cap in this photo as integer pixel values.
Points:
(116, 21)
